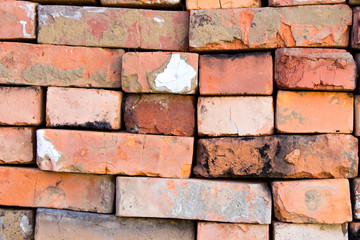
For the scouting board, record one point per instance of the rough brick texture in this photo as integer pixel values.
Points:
(142, 3)
(67, 2)
(276, 3)
(114, 153)
(357, 116)
(355, 187)
(355, 33)
(17, 223)
(213, 4)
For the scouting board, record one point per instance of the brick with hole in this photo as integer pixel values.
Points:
(17, 223)
(90, 108)
(223, 4)
(154, 4)
(160, 72)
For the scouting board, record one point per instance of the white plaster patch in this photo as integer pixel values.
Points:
(177, 75)
(27, 35)
(45, 148)
(25, 224)
(47, 12)
(159, 20)
(29, 9)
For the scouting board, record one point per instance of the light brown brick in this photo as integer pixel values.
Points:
(17, 224)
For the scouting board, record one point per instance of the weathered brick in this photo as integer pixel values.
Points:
(160, 72)
(314, 112)
(17, 20)
(17, 145)
(113, 27)
(354, 231)
(320, 69)
(160, 114)
(196, 199)
(238, 74)
(67, 2)
(243, 28)
(114, 153)
(48, 65)
(17, 224)
(225, 231)
(143, 3)
(312, 201)
(355, 33)
(355, 188)
(61, 224)
(214, 4)
(281, 156)
(28, 187)
(231, 116)
(354, 2)
(357, 116)
(83, 107)
(24, 110)
(288, 231)
(276, 3)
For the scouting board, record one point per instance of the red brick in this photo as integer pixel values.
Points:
(314, 112)
(275, 3)
(357, 116)
(48, 65)
(355, 33)
(143, 3)
(28, 187)
(232, 116)
(226, 231)
(114, 153)
(236, 74)
(17, 223)
(24, 110)
(17, 145)
(312, 201)
(83, 107)
(213, 4)
(160, 114)
(160, 72)
(113, 27)
(244, 28)
(223, 201)
(17, 20)
(320, 69)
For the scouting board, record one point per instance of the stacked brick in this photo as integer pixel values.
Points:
(138, 119)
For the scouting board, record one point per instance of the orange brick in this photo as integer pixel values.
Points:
(143, 3)
(83, 107)
(160, 72)
(114, 153)
(17, 145)
(236, 74)
(48, 65)
(24, 110)
(312, 201)
(213, 4)
(314, 112)
(17, 20)
(276, 3)
(17, 223)
(28, 187)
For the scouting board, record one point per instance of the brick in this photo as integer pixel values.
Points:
(114, 153)
(223, 201)
(17, 145)
(160, 72)
(17, 21)
(24, 110)
(354, 230)
(244, 28)
(280, 156)
(320, 69)
(48, 65)
(355, 187)
(231, 116)
(314, 112)
(143, 3)
(28, 187)
(354, 2)
(213, 4)
(113, 27)
(225, 231)
(288, 231)
(67, 2)
(61, 224)
(312, 201)
(355, 33)
(238, 74)
(276, 3)
(17, 223)
(357, 116)
(83, 108)
(160, 114)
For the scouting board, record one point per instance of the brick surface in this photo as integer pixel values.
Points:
(354, 230)
(276, 3)
(288, 231)
(213, 4)
(83, 108)
(61, 224)
(28, 187)
(24, 110)
(114, 153)
(231, 116)
(113, 27)
(17, 145)
(142, 3)
(355, 33)
(320, 69)
(222, 201)
(236, 74)
(17, 223)
(354, 2)
(67, 2)
(355, 187)
(281, 156)
(314, 112)
(303, 26)
(357, 116)
(312, 201)
(225, 231)
(48, 65)
(17, 20)
(160, 114)
(160, 72)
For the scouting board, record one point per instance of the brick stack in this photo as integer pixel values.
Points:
(137, 119)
